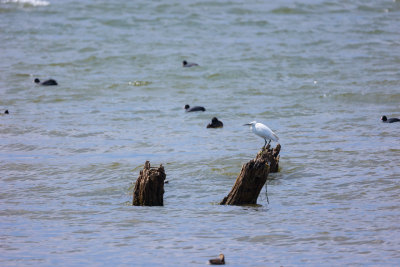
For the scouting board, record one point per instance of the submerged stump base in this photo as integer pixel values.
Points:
(149, 186)
(252, 177)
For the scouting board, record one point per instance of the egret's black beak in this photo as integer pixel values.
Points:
(247, 124)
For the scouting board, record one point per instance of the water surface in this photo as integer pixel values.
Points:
(319, 73)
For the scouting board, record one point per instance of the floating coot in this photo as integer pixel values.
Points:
(46, 83)
(391, 120)
(188, 64)
(195, 108)
(215, 123)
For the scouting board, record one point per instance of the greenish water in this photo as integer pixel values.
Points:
(319, 73)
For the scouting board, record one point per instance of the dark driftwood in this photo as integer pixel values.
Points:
(149, 187)
(252, 177)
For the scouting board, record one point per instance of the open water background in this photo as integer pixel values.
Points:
(320, 73)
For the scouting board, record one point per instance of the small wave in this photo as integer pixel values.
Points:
(27, 2)
(240, 11)
(375, 97)
(260, 23)
(288, 10)
(139, 83)
(23, 75)
(214, 75)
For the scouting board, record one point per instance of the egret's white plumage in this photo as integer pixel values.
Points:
(263, 131)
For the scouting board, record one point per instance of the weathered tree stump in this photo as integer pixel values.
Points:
(271, 156)
(252, 177)
(149, 186)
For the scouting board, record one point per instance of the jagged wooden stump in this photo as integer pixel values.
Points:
(271, 156)
(252, 178)
(149, 186)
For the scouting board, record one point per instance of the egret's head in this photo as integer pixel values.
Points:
(250, 123)
(384, 118)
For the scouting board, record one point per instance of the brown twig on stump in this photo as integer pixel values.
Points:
(149, 186)
(252, 178)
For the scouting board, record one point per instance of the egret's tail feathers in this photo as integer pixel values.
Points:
(276, 138)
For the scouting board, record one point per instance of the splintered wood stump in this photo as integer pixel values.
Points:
(149, 186)
(271, 156)
(252, 177)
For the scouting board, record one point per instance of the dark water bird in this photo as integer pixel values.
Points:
(219, 261)
(188, 64)
(6, 112)
(195, 108)
(391, 120)
(263, 131)
(46, 83)
(215, 123)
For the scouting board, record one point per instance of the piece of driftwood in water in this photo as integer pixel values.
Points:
(149, 186)
(252, 178)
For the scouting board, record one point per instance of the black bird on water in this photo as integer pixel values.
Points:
(6, 112)
(186, 64)
(46, 83)
(219, 261)
(195, 108)
(215, 123)
(391, 120)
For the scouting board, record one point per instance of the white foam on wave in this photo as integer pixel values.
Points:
(27, 2)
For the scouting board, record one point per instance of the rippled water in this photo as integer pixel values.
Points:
(319, 73)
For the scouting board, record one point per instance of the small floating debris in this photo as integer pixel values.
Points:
(139, 83)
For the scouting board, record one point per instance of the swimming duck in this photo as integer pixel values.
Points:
(188, 64)
(48, 82)
(195, 108)
(391, 120)
(219, 261)
(215, 123)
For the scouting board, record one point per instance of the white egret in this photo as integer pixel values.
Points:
(263, 131)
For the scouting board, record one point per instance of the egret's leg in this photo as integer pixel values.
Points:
(269, 141)
(265, 143)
